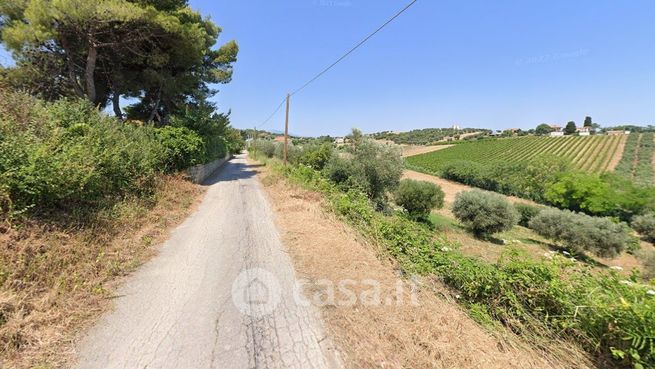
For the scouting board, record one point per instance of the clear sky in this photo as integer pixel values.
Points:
(491, 64)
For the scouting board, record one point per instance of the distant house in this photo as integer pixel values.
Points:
(616, 133)
(557, 131)
(584, 131)
(456, 127)
(339, 141)
(279, 139)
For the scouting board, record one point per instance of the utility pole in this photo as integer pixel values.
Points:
(286, 132)
(254, 141)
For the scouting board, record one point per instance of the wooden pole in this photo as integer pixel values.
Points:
(286, 132)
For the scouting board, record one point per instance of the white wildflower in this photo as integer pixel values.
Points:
(616, 267)
(625, 282)
(446, 249)
(650, 292)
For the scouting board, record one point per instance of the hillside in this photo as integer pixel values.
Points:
(428, 136)
(594, 154)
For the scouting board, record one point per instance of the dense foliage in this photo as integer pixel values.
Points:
(67, 155)
(526, 213)
(418, 198)
(184, 147)
(645, 225)
(484, 213)
(580, 232)
(555, 297)
(607, 195)
(160, 52)
(367, 166)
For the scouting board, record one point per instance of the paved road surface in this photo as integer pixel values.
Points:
(218, 295)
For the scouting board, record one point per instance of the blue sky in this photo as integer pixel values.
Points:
(492, 64)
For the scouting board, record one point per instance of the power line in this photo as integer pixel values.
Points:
(262, 124)
(362, 42)
(354, 48)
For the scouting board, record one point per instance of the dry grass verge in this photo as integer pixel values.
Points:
(436, 333)
(56, 277)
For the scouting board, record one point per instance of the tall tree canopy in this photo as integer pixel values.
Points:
(570, 128)
(160, 52)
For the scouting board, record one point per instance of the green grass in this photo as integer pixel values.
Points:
(591, 154)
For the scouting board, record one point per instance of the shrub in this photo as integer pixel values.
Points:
(419, 197)
(526, 213)
(183, 147)
(235, 141)
(580, 232)
(369, 167)
(211, 126)
(579, 191)
(264, 147)
(48, 161)
(316, 156)
(645, 225)
(484, 213)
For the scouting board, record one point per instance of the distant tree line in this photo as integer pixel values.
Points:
(426, 136)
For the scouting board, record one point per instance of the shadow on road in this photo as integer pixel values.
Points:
(231, 171)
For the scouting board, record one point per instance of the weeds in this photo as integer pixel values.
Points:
(556, 297)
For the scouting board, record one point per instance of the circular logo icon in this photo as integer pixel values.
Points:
(256, 292)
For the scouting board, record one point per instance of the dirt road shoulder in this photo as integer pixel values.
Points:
(397, 333)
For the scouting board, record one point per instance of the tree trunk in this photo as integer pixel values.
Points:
(71, 72)
(116, 103)
(154, 110)
(89, 73)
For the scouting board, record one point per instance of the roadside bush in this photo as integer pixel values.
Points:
(183, 147)
(293, 152)
(645, 225)
(48, 161)
(484, 213)
(316, 156)
(419, 198)
(264, 147)
(367, 166)
(235, 142)
(526, 213)
(580, 232)
(211, 126)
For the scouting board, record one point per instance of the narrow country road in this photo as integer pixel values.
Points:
(220, 294)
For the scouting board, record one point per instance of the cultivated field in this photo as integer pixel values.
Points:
(637, 160)
(594, 154)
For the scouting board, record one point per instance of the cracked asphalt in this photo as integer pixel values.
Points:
(178, 310)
